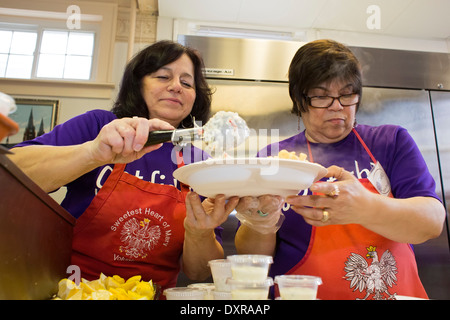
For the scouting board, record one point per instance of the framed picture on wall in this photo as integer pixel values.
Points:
(34, 117)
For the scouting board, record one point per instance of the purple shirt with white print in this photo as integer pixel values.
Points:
(392, 147)
(157, 166)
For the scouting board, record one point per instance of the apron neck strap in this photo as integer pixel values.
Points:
(364, 145)
(179, 155)
(180, 163)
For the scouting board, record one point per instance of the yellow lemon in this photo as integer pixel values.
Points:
(106, 288)
(102, 277)
(112, 283)
(135, 279)
(97, 284)
(119, 293)
(129, 285)
(75, 294)
(86, 287)
(66, 288)
(119, 279)
(145, 289)
(101, 295)
(133, 295)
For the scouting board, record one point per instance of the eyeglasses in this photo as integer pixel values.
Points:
(345, 100)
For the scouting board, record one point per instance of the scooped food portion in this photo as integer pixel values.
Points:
(284, 154)
(224, 131)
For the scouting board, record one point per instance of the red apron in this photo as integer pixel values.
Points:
(132, 227)
(356, 263)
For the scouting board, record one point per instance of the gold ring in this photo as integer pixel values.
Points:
(335, 192)
(325, 215)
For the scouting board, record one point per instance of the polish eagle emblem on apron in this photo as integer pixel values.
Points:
(139, 237)
(375, 279)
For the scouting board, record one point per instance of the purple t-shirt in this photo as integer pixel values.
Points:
(157, 166)
(392, 147)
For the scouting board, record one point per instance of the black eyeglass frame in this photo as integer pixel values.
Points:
(308, 100)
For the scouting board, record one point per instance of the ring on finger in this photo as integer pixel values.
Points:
(262, 214)
(325, 215)
(335, 192)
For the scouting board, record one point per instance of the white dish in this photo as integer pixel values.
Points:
(249, 176)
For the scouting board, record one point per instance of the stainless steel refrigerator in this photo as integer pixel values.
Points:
(406, 88)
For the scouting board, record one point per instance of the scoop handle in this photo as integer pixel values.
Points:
(159, 136)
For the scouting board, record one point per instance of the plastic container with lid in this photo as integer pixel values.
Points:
(250, 290)
(208, 288)
(253, 267)
(298, 287)
(220, 271)
(221, 295)
(184, 293)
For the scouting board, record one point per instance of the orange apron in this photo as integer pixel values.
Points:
(132, 227)
(356, 263)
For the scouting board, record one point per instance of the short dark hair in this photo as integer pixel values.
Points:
(130, 102)
(321, 61)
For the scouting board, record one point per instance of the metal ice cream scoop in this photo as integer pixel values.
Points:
(179, 137)
(224, 131)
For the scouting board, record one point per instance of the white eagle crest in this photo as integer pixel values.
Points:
(139, 237)
(374, 279)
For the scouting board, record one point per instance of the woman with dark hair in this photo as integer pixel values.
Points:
(353, 228)
(133, 217)
(130, 101)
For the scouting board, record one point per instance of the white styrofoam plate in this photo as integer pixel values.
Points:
(249, 176)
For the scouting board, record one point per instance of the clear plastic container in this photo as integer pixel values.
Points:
(184, 293)
(298, 287)
(221, 295)
(250, 290)
(206, 287)
(221, 271)
(252, 267)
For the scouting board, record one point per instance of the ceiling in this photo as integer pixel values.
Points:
(424, 19)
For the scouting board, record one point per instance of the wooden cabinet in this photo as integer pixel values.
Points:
(35, 237)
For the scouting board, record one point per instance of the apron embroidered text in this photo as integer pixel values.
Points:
(131, 227)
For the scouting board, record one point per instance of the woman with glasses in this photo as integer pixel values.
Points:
(353, 228)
